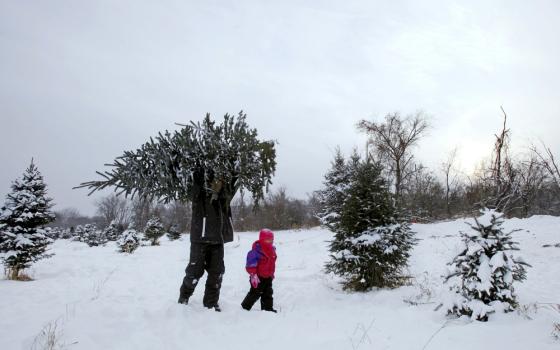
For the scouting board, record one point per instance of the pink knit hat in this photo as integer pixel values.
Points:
(266, 234)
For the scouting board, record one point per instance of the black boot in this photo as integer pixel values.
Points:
(183, 300)
(271, 310)
(215, 307)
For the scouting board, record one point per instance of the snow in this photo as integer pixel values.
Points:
(484, 274)
(498, 260)
(366, 238)
(486, 216)
(102, 299)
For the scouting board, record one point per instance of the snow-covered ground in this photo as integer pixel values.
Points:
(100, 299)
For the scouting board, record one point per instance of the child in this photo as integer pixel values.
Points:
(261, 263)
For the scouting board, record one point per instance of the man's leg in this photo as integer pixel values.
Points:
(266, 298)
(193, 272)
(215, 268)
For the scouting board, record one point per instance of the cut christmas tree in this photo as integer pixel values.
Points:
(228, 155)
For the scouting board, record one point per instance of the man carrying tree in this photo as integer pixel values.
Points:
(211, 227)
(205, 164)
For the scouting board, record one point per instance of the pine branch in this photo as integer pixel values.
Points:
(165, 166)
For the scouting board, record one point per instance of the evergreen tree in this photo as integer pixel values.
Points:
(67, 234)
(112, 232)
(486, 269)
(371, 246)
(27, 210)
(78, 234)
(154, 230)
(228, 154)
(57, 232)
(128, 241)
(173, 233)
(51, 232)
(332, 196)
(92, 236)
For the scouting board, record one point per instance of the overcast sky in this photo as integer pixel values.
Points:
(82, 81)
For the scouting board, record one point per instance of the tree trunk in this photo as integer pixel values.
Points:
(448, 209)
(398, 184)
(13, 274)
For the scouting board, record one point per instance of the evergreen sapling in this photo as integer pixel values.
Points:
(23, 238)
(485, 270)
(154, 230)
(128, 241)
(112, 232)
(92, 236)
(173, 233)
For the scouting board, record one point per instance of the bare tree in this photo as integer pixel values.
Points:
(143, 209)
(500, 158)
(450, 179)
(70, 217)
(424, 198)
(393, 140)
(114, 209)
(548, 161)
(532, 177)
(501, 179)
(549, 197)
(177, 214)
(278, 211)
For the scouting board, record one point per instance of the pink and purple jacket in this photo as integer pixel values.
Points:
(261, 260)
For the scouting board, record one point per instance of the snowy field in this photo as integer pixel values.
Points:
(96, 298)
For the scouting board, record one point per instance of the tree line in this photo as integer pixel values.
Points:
(277, 211)
(520, 185)
(517, 184)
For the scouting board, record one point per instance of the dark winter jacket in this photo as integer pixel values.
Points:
(262, 260)
(211, 214)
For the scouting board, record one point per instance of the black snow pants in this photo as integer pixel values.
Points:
(209, 257)
(263, 291)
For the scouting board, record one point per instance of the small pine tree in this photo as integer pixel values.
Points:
(67, 233)
(154, 230)
(128, 241)
(112, 232)
(50, 232)
(27, 210)
(54, 232)
(486, 270)
(173, 233)
(92, 236)
(78, 234)
(371, 247)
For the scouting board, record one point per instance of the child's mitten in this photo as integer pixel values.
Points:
(254, 280)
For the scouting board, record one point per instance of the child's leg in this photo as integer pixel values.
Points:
(252, 297)
(266, 298)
